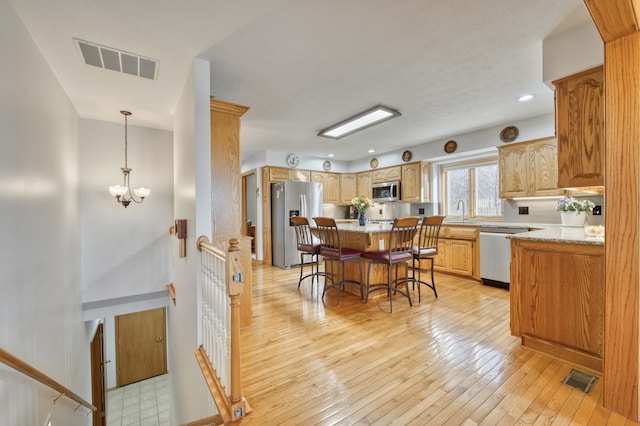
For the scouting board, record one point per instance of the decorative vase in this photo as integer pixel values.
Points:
(362, 219)
(573, 218)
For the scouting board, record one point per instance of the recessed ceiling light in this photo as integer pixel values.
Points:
(371, 151)
(525, 98)
(358, 122)
(330, 155)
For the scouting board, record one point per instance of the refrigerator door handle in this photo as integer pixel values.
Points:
(303, 205)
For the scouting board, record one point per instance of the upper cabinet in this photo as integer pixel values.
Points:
(414, 176)
(280, 174)
(580, 129)
(364, 180)
(330, 186)
(388, 174)
(529, 169)
(348, 187)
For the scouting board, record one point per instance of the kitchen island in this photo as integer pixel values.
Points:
(367, 238)
(557, 293)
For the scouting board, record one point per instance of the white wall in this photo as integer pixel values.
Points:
(572, 51)
(125, 251)
(40, 304)
(192, 181)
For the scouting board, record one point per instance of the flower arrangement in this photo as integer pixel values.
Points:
(570, 204)
(361, 203)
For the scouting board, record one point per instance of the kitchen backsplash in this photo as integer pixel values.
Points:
(539, 210)
(544, 210)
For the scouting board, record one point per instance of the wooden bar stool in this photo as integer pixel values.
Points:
(399, 253)
(426, 249)
(332, 250)
(308, 247)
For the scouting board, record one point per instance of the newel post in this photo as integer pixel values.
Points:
(234, 289)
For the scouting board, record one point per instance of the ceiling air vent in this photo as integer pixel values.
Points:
(117, 60)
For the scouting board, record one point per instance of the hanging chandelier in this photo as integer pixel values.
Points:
(123, 193)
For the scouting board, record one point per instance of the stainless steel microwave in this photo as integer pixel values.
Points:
(387, 191)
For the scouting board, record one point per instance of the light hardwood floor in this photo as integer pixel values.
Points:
(445, 361)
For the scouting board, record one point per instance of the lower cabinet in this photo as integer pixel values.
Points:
(557, 299)
(458, 251)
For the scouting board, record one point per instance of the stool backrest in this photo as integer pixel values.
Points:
(329, 236)
(430, 231)
(402, 234)
(304, 237)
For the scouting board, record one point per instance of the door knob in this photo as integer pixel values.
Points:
(159, 339)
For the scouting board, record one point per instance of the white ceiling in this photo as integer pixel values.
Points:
(301, 65)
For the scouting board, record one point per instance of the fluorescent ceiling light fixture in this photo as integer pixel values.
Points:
(330, 155)
(358, 122)
(525, 98)
(371, 151)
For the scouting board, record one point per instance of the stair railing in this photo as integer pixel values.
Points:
(221, 282)
(26, 369)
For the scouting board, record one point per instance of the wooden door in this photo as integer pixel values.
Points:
(580, 129)
(461, 257)
(513, 171)
(141, 350)
(411, 183)
(543, 162)
(364, 181)
(98, 386)
(347, 188)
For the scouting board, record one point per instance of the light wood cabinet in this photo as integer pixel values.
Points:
(529, 169)
(330, 186)
(458, 251)
(557, 299)
(388, 174)
(411, 186)
(364, 180)
(281, 174)
(580, 129)
(348, 187)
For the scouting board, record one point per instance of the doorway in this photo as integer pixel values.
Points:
(141, 350)
(249, 207)
(98, 386)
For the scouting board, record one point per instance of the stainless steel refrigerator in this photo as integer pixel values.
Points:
(291, 198)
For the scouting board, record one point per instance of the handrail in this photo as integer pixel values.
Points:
(26, 369)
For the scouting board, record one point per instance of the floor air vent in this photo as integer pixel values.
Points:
(581, 381)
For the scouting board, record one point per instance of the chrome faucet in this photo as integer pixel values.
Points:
(458, 208)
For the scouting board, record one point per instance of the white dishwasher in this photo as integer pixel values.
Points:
(495, 255)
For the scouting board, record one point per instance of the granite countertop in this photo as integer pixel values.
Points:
(369, 228)
(544, 231)
(551, 232)
(560, 234)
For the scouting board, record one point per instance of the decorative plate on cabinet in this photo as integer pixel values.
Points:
(450, 147)
(406, 156)
(373, 163)
(509, 134)
(293, 160)
(326, 165)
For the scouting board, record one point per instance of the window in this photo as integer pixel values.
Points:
(472, 187)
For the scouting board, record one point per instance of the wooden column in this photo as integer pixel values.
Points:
(622, 254)
(226, 191)
(617, 23)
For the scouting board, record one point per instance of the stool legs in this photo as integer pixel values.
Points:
(341, 285)
(419, 280)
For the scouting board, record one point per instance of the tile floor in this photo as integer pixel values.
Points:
(143, 403)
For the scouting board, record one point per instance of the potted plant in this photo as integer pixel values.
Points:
(573, 212)
(361, 204)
